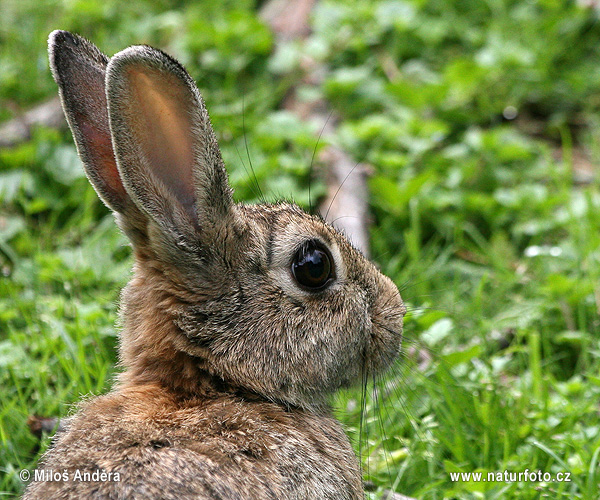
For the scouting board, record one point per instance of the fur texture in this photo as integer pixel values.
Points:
(228, 362)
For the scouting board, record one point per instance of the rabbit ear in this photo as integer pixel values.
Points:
(166, 150)
(79, 69)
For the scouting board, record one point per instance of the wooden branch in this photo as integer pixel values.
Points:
(17, 130)
(346, 205)
(288, 19)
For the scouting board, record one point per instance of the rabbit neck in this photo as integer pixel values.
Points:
(154, 350)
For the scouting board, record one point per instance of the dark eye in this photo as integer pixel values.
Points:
(312, 266)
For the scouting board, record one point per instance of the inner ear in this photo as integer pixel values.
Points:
(166, 150)
(159, 117)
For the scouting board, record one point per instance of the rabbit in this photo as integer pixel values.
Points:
(238, 324)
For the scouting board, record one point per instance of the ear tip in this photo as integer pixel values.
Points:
(146, 57)
(57, 36)
(60, 39)
(133, 54)
(56, 40)
(66, 45)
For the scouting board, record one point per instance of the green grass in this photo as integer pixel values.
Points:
(488, 223)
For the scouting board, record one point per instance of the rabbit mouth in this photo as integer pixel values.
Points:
(384, 346)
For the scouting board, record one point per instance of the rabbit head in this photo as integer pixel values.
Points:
(264, 298)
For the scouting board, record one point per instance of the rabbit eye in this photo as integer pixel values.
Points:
(312, 267)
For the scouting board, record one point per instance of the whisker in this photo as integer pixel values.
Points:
(343, 217)
(399, 389)
(338, 189)
(262, 197)
(362, 426)
(258, 194)
(378, 396)
(312, 160)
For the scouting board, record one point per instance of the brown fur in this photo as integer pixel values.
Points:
(228, 363)
(218, 446)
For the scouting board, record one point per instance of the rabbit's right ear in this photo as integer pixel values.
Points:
(79, 69)
(166, 150)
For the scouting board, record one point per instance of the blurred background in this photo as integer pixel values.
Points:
(478, 124)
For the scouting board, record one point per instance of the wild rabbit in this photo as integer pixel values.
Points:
(238, 324)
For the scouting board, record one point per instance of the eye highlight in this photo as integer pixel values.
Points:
(312, 266)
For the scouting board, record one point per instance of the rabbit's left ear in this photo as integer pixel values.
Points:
(166, 150)
(79, 68)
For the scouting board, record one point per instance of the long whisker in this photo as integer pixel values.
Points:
(258, 194)
(262, 197)
(340, 187)
(363, 397)
(312, 161)
(378, 396)
(343, 217)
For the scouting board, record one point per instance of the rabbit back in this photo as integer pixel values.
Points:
(149, 444)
